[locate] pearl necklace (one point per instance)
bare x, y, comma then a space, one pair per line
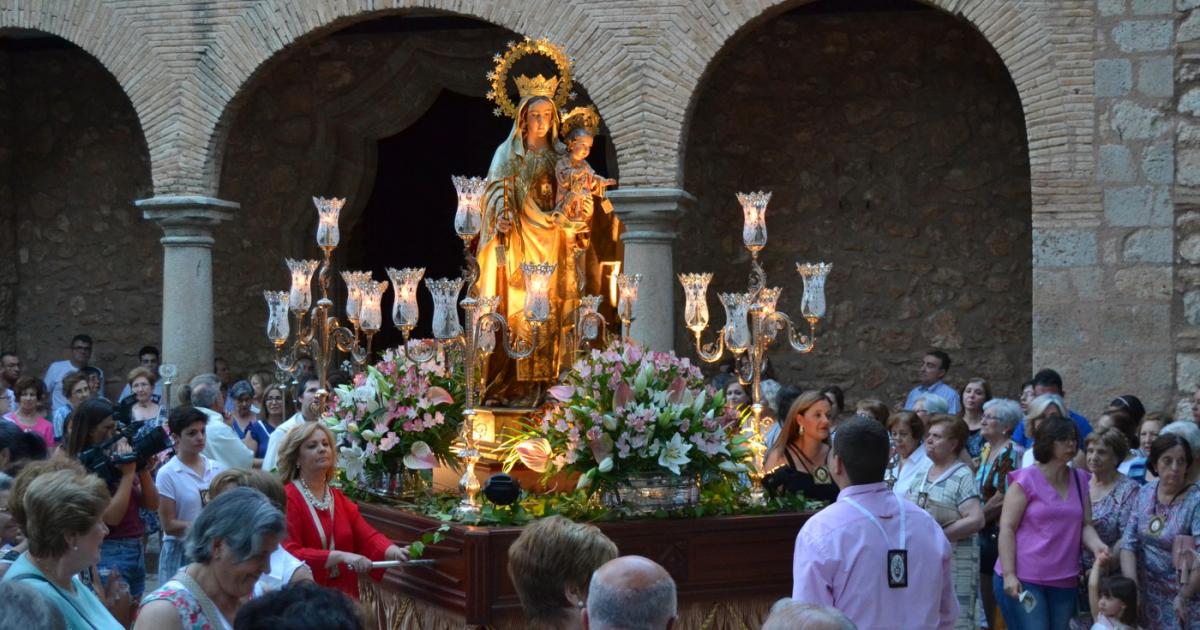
312, 500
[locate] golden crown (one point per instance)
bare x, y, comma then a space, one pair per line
536, 86
580, 118
556, 88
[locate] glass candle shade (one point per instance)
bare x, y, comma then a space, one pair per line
590, 328
445, 307
404, 304
737, 329
470, 194
812, 305
754, 211
355, 281
537, 290
328, 210
695, 290
300, 296
370, 309
768, 298
486, 342
627, 294
277, 316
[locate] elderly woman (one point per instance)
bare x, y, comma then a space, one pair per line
551, 564
62, 514
908, 438
1041, 408
31, 393
927, 405
76, 387
1131, 463
244, 419
274, 408
1112, 495
1000, 456
946, 490
799, 458
974, 394
1148, 430
231, 544
286, 569
325, 529
1045, 520
141, 383
123, 549
1164, 509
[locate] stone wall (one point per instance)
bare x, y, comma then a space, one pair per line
72, 159
895, 148
1186, 195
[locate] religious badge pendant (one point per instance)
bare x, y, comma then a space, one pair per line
1157, 524
821, 475
897, 568
922, 499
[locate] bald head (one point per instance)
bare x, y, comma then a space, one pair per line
630, 593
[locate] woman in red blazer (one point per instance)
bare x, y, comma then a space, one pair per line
325, 529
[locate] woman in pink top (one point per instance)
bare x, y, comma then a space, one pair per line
1044, 519
30, 391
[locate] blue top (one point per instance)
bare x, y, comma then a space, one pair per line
82, 609
260, 433
939, 388
1081, 423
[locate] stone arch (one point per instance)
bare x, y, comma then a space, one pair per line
106, 32
248, 44
1055, 89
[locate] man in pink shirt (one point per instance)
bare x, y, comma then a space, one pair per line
880, 559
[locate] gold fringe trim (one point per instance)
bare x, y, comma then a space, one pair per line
386, 610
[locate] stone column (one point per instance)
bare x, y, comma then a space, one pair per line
187, 317
649, 215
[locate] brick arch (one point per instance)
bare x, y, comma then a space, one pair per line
246, 46
103, 33
1057, 100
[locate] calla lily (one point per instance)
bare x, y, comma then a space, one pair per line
420, 457
585, 480
562, 393
622, 396
602, 447
733, 467
609, 422
674, 454
370, 435
606, 464
352, 461
535, 454
438, 396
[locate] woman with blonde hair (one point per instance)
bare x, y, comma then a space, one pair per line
799, 459
551, 564
325, 529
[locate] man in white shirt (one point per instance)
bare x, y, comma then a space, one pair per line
81, 354
223, 445
307, 392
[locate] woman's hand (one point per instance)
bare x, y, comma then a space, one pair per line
122, 447
396, 553
357, 563
1012, 586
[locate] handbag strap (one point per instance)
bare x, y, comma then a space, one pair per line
1079, 491
207, 606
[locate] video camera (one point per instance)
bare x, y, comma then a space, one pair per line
145, 444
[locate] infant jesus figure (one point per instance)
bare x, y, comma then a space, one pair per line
578, 185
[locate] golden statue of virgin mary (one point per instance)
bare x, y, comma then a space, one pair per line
520, 225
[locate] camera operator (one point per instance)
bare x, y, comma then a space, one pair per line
92, 427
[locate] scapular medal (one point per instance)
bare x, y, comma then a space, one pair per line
897, 568
922, 499
1157, 524
821, 474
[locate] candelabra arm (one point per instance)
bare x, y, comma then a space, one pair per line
799, 342
418, 356
710, 352
347, 341
601, 326
514, 348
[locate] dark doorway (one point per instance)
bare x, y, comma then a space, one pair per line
409, 219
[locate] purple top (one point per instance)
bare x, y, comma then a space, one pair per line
1049, 536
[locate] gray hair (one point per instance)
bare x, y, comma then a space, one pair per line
26, 608
1187, 430
1038, 406
613, 607
933, 403
1008, 412
240, 518
789, 614
205, 390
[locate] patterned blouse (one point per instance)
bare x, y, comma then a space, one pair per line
190, 615
1110, 514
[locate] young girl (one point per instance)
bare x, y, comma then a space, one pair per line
1113, 600
182, 486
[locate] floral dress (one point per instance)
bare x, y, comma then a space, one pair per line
943, 497
1109, 516
191, 617
1157, 582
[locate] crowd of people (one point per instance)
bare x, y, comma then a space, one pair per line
954, 505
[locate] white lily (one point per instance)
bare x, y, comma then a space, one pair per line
352, 460
673, 453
